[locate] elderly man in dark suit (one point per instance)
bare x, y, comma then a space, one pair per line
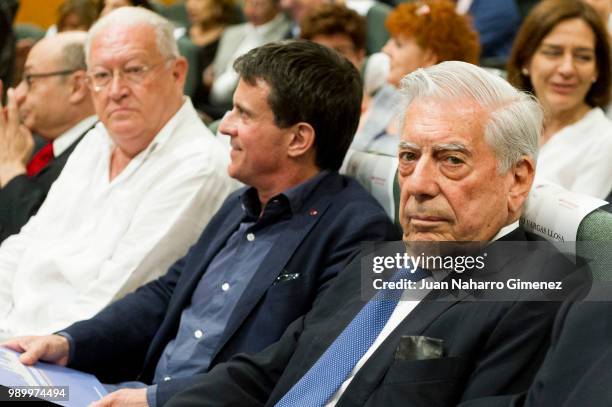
53, 101
268, 253
466, 164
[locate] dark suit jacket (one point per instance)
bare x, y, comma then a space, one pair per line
126, 339
577, 370
491, 348
22, 196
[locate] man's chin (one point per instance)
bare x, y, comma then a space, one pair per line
427, 236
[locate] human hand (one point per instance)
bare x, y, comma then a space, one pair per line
49, 348
16, 142
123, 398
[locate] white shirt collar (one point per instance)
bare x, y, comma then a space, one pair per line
506, 230
64, 141
161, 138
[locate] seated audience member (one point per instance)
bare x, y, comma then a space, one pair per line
269, 252
106, 6
133, 195
74, 15
209, 18
297, 10
562, 55
417, 41
54, 102
265, 23
496, 22
344, 30
339, 28
466, 164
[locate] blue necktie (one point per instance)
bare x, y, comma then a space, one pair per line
333, 367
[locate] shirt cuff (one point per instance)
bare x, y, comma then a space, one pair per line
152, 395
70, 344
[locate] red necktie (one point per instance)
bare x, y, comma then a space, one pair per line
40, 160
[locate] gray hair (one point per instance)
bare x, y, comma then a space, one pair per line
515, 117
137, 16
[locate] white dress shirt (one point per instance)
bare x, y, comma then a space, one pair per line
401, 311
64, 141
579, 156
95, 240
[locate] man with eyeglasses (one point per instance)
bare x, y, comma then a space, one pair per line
135, 193
54, 71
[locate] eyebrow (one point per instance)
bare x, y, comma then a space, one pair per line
243, 109
557, 46
438, 147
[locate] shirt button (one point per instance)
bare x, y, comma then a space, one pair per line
198, 334
225, 286
250, 237
166, 378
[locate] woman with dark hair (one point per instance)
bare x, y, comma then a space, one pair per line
562, 55
423, 33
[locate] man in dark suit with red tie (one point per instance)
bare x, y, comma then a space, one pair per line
52, 101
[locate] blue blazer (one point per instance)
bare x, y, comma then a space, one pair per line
126, 339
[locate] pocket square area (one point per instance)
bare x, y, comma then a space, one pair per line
419, 348
286, 277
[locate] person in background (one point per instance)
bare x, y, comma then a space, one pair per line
339, 28
562, 55
134, 194
264, 23
417, 42
74, 15
106, 6
54, 71
343, 29
208, 18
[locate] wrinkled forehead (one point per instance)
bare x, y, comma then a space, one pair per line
120, 43
429, 122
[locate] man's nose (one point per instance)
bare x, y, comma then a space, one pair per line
118, 87
227, 125
422, 182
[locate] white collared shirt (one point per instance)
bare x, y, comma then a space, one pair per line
402, 310
63, 142
95, 240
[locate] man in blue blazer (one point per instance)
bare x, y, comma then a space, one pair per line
267, 254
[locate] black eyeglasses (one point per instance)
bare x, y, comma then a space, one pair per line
29, 76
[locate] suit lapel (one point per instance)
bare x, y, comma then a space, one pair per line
369, 376
273, 264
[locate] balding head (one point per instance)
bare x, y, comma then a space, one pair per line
55, 71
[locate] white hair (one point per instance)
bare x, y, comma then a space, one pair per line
515, 117
132, 17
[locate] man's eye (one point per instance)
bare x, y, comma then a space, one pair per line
134, 70
453, 160
99, 76
407, 156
